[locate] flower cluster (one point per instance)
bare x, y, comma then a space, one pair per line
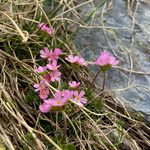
105, 60
50, 73
45, 28
74, 84
78, 60
61, 98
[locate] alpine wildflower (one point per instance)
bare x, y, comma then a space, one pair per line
54, 55
55, 75
105, 60
46, 106
44, 94
53, 66
47, 77
40, 69
45, 28
40, 86
78, 98
73, 84
45, 53
77, 60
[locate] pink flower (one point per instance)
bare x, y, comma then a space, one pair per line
78, 98
55, 75
55, 54
45, 53
81, 61
46, 106
53, 65
44, 94
49, 30
76, 59
72, 59
61, 98
105, 59
41, 24
40, 69
58, 101
74, 84
45, 28
40, 86
67, 94
47, 77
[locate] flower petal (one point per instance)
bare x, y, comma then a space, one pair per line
83, 100
45, 108
82, 93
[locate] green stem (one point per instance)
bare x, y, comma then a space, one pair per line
56, 121
96, 76
65, 126
103, 87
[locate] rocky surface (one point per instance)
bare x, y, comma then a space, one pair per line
124, 31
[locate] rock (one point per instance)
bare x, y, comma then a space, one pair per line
120, 140
117, 39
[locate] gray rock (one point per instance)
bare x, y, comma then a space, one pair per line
91, 41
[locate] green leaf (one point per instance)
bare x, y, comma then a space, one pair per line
71, 147
2, 146
68, 147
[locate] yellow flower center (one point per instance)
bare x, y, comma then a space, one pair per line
41, 86
44, 93
78, 98
58, 102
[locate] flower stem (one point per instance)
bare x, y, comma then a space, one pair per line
96, 76
103, 87
65, 125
